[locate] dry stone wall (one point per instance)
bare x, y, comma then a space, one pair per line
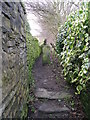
14, 58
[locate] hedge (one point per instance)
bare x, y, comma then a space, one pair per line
33, 52
73, 47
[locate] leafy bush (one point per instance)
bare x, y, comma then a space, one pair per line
85, 99
33, 52
73, 48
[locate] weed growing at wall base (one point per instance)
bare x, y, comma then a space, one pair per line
33, 52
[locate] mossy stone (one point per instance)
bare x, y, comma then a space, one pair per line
46, 55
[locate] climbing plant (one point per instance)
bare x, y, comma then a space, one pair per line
73, 48
33, 52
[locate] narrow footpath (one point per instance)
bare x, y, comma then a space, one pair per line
53, 96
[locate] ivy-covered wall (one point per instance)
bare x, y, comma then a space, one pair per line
14, 58
85, 95
73, 47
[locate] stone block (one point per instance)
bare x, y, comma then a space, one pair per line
4, 47
12, 35
7, 2
44, 93
5, 30
46, 55
12, 23
6, 22
5, 9
11, 43
13, 58
53, 108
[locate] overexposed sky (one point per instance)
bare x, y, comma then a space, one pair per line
35, 27
33, 21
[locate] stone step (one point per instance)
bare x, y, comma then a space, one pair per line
52, 108
44, 93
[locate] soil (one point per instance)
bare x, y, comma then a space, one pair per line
50, 78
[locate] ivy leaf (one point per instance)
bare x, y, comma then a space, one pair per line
79, 88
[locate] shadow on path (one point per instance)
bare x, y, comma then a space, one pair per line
54, 98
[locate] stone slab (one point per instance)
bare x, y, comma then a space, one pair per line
43, 93
53, 108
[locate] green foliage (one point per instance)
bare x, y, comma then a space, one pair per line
73, 48
85, 99
89, 18
33, 52
24, 111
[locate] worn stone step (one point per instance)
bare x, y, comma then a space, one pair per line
44, 93
52, 108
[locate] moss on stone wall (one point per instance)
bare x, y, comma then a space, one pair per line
14, 59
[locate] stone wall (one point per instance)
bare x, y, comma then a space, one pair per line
14, 58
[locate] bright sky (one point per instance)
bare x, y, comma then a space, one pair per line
35, 28
32, 19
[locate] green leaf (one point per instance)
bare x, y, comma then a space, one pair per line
79, 87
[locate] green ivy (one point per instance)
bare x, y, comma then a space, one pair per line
33, 52
73, 48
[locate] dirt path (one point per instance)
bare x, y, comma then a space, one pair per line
53, 97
